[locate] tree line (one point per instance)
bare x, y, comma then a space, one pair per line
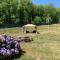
24, 11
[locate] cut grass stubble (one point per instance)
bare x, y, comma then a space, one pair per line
45, 46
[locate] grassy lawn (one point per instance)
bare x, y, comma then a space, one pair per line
45, 46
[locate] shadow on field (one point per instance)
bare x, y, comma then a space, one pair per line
9, 25
13, 57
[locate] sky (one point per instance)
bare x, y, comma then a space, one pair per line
56, 3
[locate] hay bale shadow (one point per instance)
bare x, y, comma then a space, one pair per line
26, 39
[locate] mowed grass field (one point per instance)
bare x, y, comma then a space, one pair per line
45, 46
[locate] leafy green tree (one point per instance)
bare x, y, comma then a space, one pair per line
25, 11
37, 20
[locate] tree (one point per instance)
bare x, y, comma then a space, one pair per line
25, 11
51, 11
37, 20
9, 9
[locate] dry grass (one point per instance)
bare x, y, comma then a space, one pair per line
45, 46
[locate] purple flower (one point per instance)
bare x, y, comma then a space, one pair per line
5, 53
9, 46
17, 45
16, 51
2, 50
9, 52
13, 51
8, 38
9, 42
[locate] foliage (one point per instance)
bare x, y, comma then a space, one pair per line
24, 11
8, 46
37, 20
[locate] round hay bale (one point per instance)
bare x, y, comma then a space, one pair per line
30, 28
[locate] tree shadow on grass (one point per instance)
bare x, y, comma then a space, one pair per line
9, 25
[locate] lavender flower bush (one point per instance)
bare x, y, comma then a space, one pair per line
9, 46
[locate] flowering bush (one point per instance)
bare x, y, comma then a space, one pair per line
9, 46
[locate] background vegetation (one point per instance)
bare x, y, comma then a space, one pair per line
20, 12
